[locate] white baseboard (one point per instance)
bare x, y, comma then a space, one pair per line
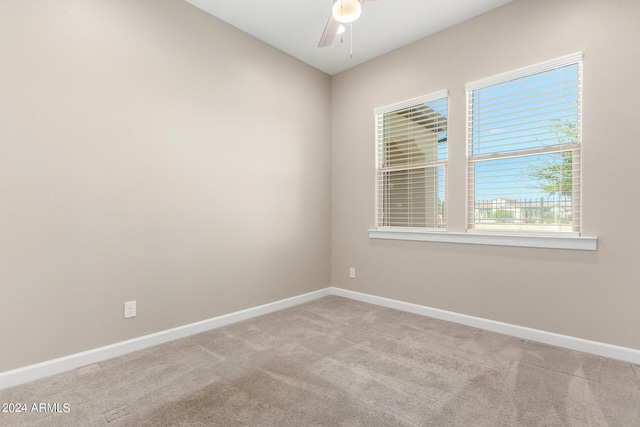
73, 361
626, 354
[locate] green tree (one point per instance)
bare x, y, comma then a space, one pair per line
554, 176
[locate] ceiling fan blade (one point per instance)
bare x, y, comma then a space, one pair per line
330, 31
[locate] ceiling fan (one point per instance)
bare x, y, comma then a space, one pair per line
342, 12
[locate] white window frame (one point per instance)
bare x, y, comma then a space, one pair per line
379, 115
471, 88
572, 241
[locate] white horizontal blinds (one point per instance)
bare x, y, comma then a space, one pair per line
524, 144
411, 160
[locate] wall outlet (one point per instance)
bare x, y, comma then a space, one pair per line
352, 272
129, 309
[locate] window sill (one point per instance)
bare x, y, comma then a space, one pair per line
572, 241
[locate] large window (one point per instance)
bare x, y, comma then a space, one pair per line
411, 139
524, 145
523, 161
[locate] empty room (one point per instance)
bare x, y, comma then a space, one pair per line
319, 212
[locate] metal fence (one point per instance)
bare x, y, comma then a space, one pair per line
541, 210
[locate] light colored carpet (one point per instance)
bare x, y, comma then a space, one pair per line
338, 362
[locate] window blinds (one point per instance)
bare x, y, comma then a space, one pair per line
411, 140
524, 149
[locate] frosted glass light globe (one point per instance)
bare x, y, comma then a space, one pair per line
345, 11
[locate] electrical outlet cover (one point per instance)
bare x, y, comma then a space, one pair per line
129, 309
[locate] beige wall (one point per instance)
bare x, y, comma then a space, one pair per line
591, 295
150, 152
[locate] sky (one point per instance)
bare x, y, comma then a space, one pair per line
520, 115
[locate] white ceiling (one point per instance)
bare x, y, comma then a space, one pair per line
295, 26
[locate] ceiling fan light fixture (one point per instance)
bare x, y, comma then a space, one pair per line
345, 11
341, 29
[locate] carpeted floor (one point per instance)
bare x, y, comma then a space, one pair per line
338, 362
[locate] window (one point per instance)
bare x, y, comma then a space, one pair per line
411, 140
523, 163
524, 142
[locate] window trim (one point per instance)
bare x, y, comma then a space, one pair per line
411, 102
474, 237
525, 71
